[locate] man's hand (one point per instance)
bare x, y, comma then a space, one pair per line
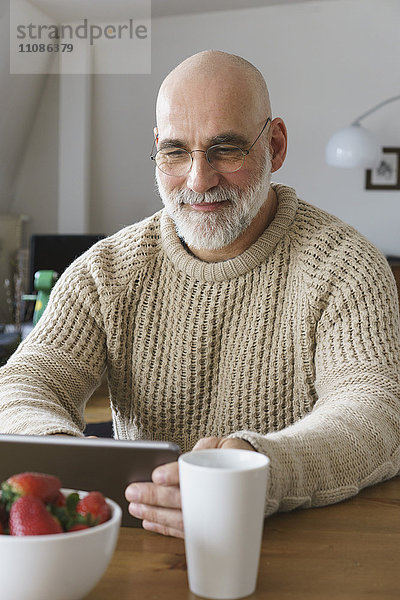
158, 502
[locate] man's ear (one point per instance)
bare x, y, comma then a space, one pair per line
277, 143
155, 131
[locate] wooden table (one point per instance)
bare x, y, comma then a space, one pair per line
98, 407
347, 551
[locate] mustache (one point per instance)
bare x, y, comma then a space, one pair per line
209, 197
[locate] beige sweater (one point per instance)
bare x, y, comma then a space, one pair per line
294, 346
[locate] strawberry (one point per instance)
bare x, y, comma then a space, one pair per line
45, 487
94, 508
29, 516
59, 500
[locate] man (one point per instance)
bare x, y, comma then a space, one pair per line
239, 316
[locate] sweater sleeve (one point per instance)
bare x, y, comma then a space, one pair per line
351, 438
45, 384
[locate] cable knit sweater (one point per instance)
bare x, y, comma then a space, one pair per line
294, 346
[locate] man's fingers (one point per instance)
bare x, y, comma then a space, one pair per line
154, 495
166, 474
208, 442
158, 502
235, 443
160, 518
157, 528
217, 442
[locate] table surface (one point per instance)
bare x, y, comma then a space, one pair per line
98, 407
347, 551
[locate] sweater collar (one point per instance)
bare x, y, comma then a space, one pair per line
241, 264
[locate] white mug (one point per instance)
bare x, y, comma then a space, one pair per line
223, 497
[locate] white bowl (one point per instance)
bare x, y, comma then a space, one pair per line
64, 566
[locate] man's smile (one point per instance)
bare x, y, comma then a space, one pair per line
208, 206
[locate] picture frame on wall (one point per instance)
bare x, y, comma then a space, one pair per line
386, 176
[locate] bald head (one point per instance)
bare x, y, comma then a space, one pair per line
230, 77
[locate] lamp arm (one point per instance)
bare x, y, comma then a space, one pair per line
357, 121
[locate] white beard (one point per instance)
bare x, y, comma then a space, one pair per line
213, 230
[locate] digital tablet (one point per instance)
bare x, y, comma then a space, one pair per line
101, 464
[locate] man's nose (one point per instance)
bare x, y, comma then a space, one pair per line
201, 176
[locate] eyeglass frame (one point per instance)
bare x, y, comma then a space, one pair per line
245, 153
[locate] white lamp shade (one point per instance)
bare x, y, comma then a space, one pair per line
352, 147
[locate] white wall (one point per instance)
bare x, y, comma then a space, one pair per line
19, 100
325, 64
36, 187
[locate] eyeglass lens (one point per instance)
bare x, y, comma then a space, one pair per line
224, 158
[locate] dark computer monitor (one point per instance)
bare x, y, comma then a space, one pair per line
57, 251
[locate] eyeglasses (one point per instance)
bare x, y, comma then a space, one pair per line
224, 158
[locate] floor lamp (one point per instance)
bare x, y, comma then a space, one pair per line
355, 146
